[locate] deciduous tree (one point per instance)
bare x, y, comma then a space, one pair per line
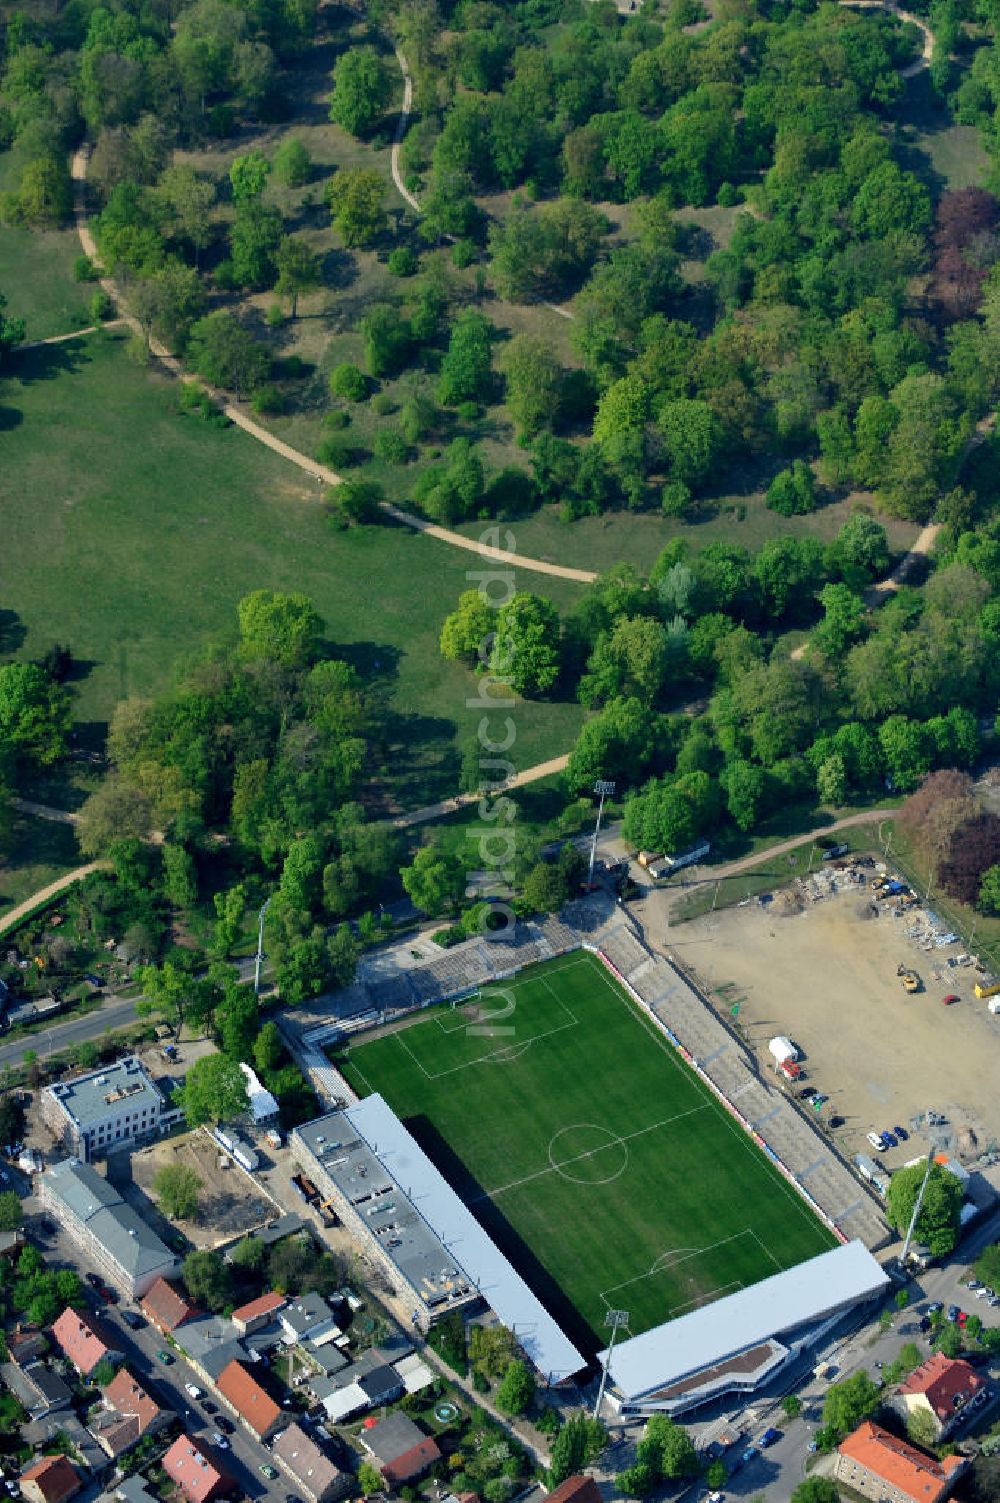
177, 1186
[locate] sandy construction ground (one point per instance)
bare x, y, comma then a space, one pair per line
827, 978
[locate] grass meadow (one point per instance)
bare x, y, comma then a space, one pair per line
602, 1165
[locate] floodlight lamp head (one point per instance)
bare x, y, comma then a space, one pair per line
604, 786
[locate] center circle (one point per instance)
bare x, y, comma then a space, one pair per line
588, 1154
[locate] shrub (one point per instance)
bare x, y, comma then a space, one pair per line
225, 276
335, 453
463, 253
468, 411
674, 498
269, 401
275, 316
403, 261
390, 447
100, 306
727, 195
84, 269
355, 501
383, 404
293, 367
337, 419
793, 491
348, 382
292, 163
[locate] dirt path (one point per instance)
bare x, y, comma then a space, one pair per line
401, 126
746, 863
463, 800
39, 344
46, 811
514, 560
14, 916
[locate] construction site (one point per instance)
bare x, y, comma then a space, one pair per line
889, 1014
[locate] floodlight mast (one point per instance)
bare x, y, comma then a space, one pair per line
259, 957
917, 1204
605, 789
615, 1319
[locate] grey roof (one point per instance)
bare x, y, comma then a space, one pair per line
799, 1296
305, 1314
218, 1358
330, 1358
206, 1334
285, 1226
392, 1437
49, 1384
89, 1198
381, 1385
368, 1362
437, 1243
132, 1489
100, 1094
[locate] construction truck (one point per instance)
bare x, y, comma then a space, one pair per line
910, 979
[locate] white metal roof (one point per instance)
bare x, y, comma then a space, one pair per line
797, 1297
467, 1244
263, 1105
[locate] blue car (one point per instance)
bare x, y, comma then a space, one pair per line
952, 1312
769, 1437
889, 1139
748, 1455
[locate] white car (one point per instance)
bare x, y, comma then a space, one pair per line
193, 1390
220, 1440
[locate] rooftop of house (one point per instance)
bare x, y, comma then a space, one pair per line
247, 1397
305, 1313
578, 1489
127, 1395
166, 1306
87, 1197
191, 1466
945, 1382
106, 1092
392, 1437
54, 1476
921, 1477
81, 1339
305, 1460
266, 1304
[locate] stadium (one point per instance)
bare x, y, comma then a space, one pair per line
566, 1156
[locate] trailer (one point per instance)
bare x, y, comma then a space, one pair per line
782, 1048
246, 1158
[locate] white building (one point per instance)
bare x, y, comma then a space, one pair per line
106, 1109
263, 1106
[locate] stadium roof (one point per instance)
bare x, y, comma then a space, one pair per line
797, 1297
450, 1234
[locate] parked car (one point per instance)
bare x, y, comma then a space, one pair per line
951, 997
901, 1133
973, 1284
748, 1455
925, 1322
769, 1437
93, 1280
48, 1227
225, 1424
108, 1295
962, 1317
208, 1406
889, 1139
193, 1390
835, 1120
220, 1441
835, 852
268, 1471
953, 1312
993, 1301
165, 1357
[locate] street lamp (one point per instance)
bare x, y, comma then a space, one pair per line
605, 789
259, 957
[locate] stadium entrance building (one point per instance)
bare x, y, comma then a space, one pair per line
738, 1343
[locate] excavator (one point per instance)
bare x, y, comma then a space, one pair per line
909, 978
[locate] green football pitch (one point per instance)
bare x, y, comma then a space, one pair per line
598, 1160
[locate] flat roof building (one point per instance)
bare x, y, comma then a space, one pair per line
106, 1109
390, 1195
737, 1343
126, 1250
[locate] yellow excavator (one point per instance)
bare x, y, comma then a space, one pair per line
910, 979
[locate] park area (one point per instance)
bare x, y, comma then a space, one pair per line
600, 1162
823, 974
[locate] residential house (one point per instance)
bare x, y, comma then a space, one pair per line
52, 1479
25, 1343
245, 1397
359, 1386
113, 1235
134, 1489
307, 1319
888, 1470
193, 1468
84, 1341
313, 1474
12, 1245
62, 1428
130, 1413
942, 1388
399, 1448
259, 1312
36, 1387
578, 1489
165, 1307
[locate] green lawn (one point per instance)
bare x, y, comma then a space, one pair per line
36, 852
131, 532
600, 1162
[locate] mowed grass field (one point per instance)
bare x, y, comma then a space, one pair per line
603, 1166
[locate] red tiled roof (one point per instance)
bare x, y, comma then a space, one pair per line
81, 1339
247, 1398
412, 1462
166, 1306
55, 1477
267, 1304
128, 1396
914, 1473
941, 1380
197, 1476
578, 1489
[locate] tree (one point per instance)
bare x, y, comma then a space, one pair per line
975, 848
298, 270
103, 1373
11, 1120
745, 784
237, 1018
177, 1186
540, 251
356, 501
816, 1490
526, 646
370, 1478
716, 1475
492, 1349
516, 1393
180, 880
638, 1480
465, 370
173, 993
388, 340
230, 906
922, 1428
225, 354
279, 627
848, 1403
792, 1405
11, 1210
35, 714
989, 891
248, 175
355, 196
580, 1440
905, 748
435, 881
792, 492
692, 438
214, 1090
467, 631
11, 330
254, 239
533, 375
45, 195
937, 1224
206, 1276
362, 90
292, 163
190, 198
268, 1049
668, 1447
